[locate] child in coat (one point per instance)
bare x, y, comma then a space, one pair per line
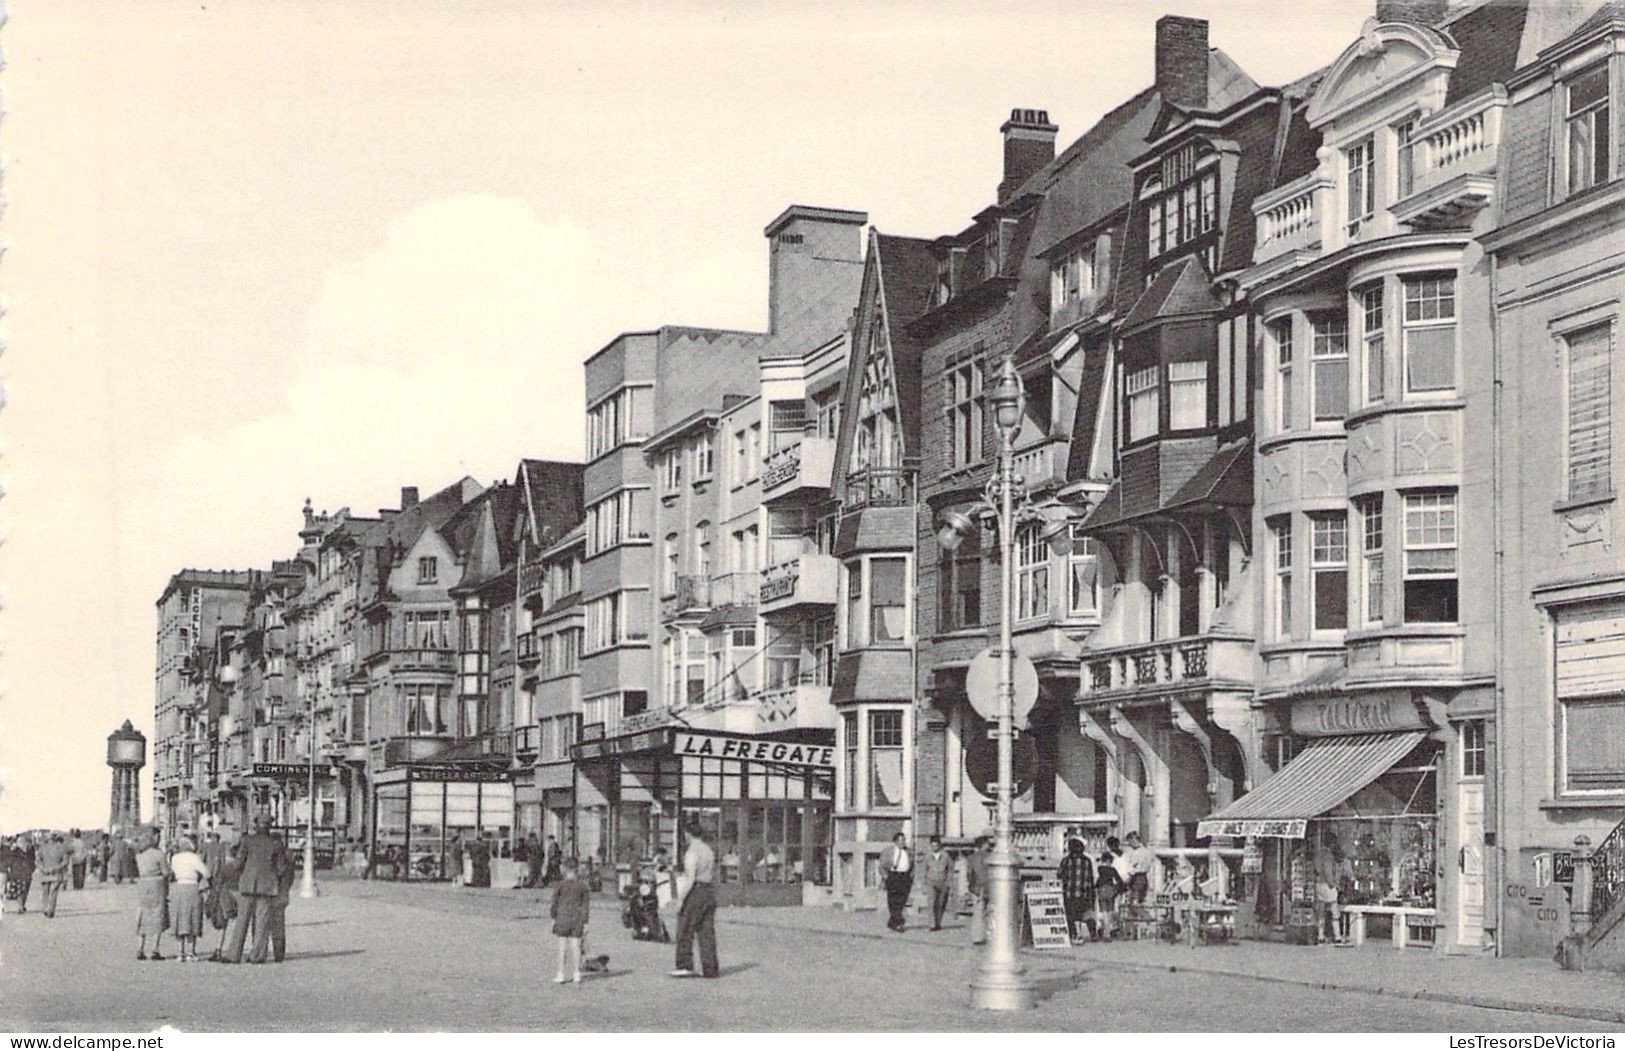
571, 902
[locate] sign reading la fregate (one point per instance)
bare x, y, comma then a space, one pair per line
721, 746
1364, 714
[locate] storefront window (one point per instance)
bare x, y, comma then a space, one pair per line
849, 772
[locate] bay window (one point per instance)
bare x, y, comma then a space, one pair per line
1032, 572
1329, 365
603, 623
1590, 411
1370, 512
1140, 388
1281, 531
624, 416
888, 600
1430, 558
1280, 337
1083, 565
1429, 329
1371, 333
1187, 395
1188, 207
1586, 127
1329, 570
885, 759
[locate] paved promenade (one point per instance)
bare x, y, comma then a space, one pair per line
370, 956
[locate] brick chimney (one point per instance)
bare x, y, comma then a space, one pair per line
1182, 61
409, 497
1029, 144
1426, 12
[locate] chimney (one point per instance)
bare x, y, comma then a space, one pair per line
1029, 144
1182, 61
1425, 12
409, 497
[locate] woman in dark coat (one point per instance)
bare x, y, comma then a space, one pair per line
20, 873
480, 852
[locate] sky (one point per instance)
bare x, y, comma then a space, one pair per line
262, 251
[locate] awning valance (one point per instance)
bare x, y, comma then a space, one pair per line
1327, 772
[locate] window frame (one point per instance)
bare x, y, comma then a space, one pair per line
963, 383
1373, 340
1084, 553
959, 579
1032, 573
1328, 561
1596, 114
1420, 324
1280, 527
1598, 461
1183, 374
1278, 332
1141, 390
1359, 159
1372, 594
1328, 350
873, 715
1421, 503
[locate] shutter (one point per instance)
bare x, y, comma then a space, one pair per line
1591, 650
1590, 411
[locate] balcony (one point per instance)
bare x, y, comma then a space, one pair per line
880, 487
1294, 219
527, 740
735, 589
691, 595
1455, 164
799, 472
525, 648
649, 719
807, 580
423, 660
531, 579
1042, 465
1166, 666
801, 706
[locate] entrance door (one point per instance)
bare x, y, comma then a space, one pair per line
1470, 895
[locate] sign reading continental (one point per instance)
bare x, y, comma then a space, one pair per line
723, 746
287, 770
1363, 714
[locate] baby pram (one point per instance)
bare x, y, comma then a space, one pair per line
641, 913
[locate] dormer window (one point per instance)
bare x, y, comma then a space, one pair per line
1140, 389
1586, 125
1180, 211
943, 290
1072, 278
1362, 162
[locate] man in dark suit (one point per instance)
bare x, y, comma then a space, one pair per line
897, 866
261, 860
279, 909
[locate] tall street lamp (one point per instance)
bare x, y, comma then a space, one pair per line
1001, 983
307, 883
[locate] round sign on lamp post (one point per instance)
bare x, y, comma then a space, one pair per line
982, 686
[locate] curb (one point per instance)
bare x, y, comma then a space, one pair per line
1492, 1003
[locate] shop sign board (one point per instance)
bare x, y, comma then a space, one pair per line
1543, 870
455, 774
287, 770
1046, 915
727, 746
1275, 828
1563, 866
1363, 713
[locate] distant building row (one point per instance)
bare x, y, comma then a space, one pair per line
1323, 455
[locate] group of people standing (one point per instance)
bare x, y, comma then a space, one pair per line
61, 860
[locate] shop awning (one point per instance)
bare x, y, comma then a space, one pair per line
1327, 772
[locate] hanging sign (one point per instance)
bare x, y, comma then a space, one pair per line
1563, 866
1046, 916
1375, 712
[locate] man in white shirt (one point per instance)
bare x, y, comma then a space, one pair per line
897, 866
698, 913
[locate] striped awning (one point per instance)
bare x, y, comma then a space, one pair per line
1327, 772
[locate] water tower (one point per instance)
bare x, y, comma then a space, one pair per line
126, 754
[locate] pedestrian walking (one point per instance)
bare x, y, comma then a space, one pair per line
897, 866
20, 876
571, 905
696, 917
98, 858
1077, 875
457, 860
260, 861
939, 878
480, 853
52, 863
976, 871
152, 884
1108, 886
78, 858
186, 898
127, 852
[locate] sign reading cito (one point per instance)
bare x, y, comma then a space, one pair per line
1363, 714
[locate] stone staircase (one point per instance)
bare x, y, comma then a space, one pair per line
1603, 945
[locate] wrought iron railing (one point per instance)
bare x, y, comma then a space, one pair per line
880, 487
1608, 872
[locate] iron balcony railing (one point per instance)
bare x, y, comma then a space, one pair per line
1608, 872
880, 487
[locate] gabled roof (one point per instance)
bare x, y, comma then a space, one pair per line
481, 534
554, 501
1227, 84
1181, 288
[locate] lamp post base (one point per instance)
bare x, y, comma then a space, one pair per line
1003, 992
308, 889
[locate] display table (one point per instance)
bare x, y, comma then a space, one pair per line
1404, 916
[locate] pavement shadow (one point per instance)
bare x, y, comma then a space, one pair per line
737, 968
1062, 983
324, 955
314, 923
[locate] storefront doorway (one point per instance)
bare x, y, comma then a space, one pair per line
420, 811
